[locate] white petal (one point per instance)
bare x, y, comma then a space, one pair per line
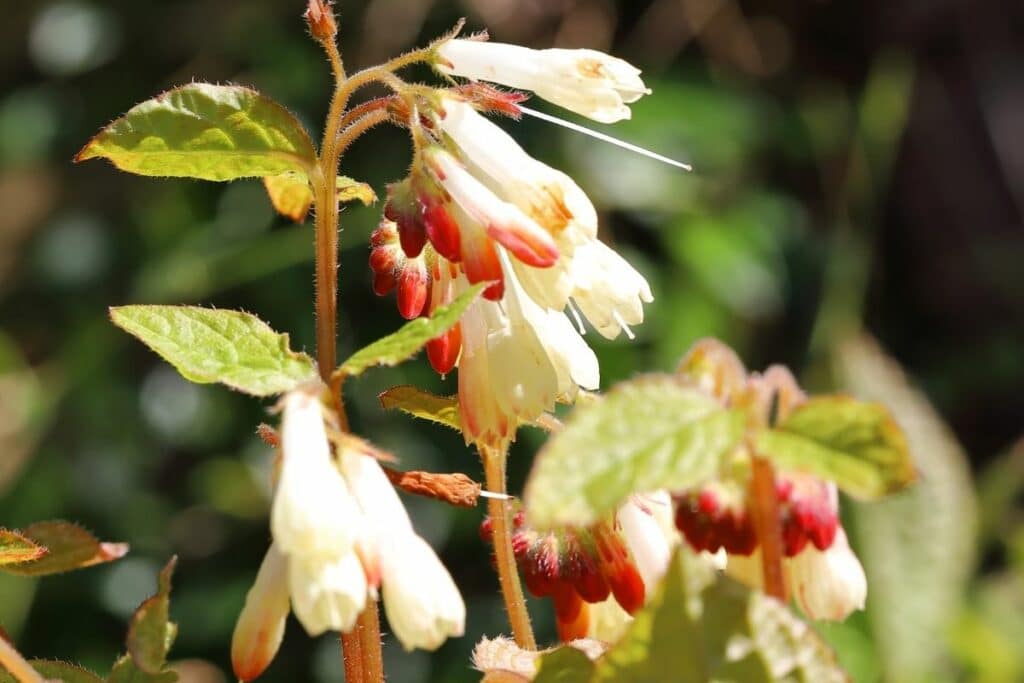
607, 289
830, 584
421, 601
327, 596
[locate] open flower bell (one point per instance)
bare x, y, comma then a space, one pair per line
340, 532
477, 208
587, 82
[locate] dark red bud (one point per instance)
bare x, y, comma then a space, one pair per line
443, 352
495, 291
412, 235
412, 291
628, 587
442, 230
384, 282
487, 530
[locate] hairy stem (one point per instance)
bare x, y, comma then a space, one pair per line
765, 508
508, 574
361, 649
15, 664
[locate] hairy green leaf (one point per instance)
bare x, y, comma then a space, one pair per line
211, 132
151, 633
710, 628
68, 546
410, 338
414, 401
649, 433
564, 665
126, 671
54, 670
210, 345
857, 445
15, 548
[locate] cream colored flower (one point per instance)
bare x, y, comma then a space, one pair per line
260, 626
587, 82
828, 584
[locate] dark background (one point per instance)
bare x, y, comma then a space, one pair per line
859, 167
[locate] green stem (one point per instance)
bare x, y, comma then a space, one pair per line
508, 574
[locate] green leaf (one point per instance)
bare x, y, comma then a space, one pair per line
703, 627
290, 194
53, 670
151, 633
210, 345
650, 433
855, 444
211, 132
15, 548
414, 401
68, 546
933, 525
126, 671
564, 665
410, 338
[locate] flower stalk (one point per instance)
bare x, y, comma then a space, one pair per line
15, 664
508, 574
765, 509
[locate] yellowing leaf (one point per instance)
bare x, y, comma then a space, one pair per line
857, 445
290, 194
210, 345
414, 401
350, 190
211, 132
650, 433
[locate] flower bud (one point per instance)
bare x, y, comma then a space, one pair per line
320, 20
260, 626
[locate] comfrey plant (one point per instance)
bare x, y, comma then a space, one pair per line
670, 519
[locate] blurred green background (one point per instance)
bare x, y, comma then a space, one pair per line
855, 212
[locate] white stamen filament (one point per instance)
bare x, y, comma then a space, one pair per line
604, 138
623, 325
576, 317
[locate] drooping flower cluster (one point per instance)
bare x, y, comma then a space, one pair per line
340, 532
599, 575
477, 208
820, 569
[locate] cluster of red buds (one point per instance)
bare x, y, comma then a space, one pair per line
712, 520
419, 285
574, 567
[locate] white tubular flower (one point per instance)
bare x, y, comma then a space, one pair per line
260, 626
830, 584
420, 599
609, 292
313, 514
422, 603
517, 359
327, 595
587, 82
